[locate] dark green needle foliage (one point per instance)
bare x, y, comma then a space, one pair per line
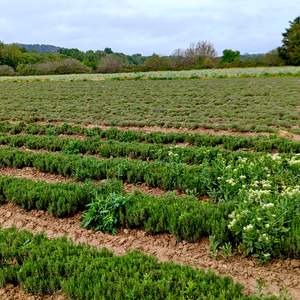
81, 272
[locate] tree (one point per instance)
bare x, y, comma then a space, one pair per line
109, 64
195, 55
156, 62
108, 50
290, 50
272, 58
230, 56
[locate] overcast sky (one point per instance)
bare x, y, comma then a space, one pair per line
148, 26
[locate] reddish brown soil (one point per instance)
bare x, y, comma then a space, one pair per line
34, 174
11, 292
277, 273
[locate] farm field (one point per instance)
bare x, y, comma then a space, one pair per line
214, 73
213, 201
241, 104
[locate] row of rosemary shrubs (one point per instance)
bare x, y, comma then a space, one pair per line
198, 179
184, 217
221, 179
47, 266
111, 148
257, 143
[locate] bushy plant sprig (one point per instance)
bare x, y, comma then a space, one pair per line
72, 148
102, 213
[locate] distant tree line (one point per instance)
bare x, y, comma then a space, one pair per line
39, 48
20, 60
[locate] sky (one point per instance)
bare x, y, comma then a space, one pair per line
148, 26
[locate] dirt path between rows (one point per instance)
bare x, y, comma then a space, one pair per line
149, 129
278, 273
11, 292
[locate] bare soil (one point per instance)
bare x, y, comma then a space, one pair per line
11, 292
277, 273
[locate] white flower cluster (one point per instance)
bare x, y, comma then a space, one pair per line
265, 184
291, 192
232, 215
170, 153
294, 160
242, 177
242, 160
248, 227
236, 217
263, 237
266, 206
232, 223
255, 183
231, 181
256, 194
275, 157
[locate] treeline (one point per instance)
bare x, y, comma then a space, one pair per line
39, 48
16, 60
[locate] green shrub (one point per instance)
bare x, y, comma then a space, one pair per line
81, 272
101, 213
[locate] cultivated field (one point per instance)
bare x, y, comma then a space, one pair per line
244, 104
226, 202
214, 73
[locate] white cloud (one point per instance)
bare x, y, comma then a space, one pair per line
135, 26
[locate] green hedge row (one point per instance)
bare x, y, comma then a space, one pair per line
256, 143
81, 272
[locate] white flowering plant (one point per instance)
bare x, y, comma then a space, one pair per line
265, 190
262, 222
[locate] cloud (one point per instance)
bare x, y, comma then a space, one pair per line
134, 26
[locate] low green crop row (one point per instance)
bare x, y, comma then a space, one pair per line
81, 272
186, 218
94, 145
198, 179
263, 188
156, 174
257, 143
58, 199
